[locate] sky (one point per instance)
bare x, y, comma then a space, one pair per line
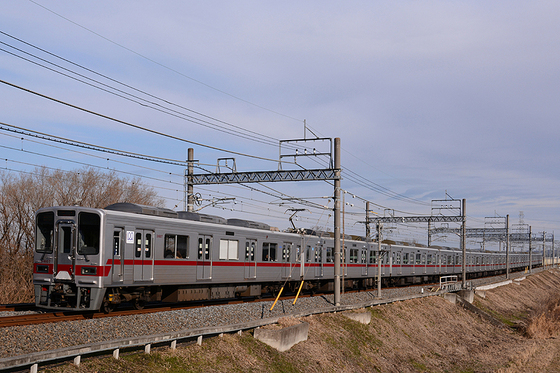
431, 100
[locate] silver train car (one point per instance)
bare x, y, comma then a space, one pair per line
92, 259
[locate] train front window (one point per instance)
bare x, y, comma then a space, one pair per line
89, 228
45, 232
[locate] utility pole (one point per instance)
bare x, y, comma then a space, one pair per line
530, 251
429, 233
507, 246
368, 231
544, 248
337, 222
553, 252
464, 244
379, 229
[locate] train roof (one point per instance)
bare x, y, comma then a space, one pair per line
185, 215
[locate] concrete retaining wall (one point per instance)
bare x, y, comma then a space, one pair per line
361, 317
283, 339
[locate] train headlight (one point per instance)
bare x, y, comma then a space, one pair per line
92, 271
42, 269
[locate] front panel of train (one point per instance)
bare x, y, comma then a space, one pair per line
67, 268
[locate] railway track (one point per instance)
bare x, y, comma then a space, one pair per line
53, 317
60, 316
17, 307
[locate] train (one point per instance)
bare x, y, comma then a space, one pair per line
90, 259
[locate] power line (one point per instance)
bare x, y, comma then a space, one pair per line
143, 102
164, 66
363, 182
36, 134
134, 125
99, 148
128, 86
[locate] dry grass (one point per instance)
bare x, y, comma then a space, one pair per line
544, 322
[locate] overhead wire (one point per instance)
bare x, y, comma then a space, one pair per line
364, 182
131, 87
120, 171
129, 124
164, 66
145, 103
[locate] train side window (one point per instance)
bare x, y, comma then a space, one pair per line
372, 257
182, 247
229, 249
423, 258
429, 260
398, 258
353, 255
308, 254
176, 246
200, 247
269, 252
138, 251
418, 256
330, 257
169, 246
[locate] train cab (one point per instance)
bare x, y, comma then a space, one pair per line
67, 267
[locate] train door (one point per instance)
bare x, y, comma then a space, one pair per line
318, 260
204, 258
118, 255
363, 261
64, 265
345, 261
397, 265
143, 255
383, 259
250, 261
300, 260
286, 260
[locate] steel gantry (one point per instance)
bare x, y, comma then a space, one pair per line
331, 173
442, 205
505, 235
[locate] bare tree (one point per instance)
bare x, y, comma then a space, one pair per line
21, 196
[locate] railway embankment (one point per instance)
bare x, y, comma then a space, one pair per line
418, 335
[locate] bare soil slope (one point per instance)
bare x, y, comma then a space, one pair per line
425, 335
